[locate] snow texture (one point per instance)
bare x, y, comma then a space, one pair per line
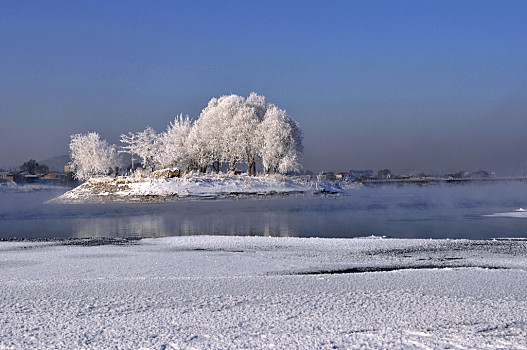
152, 189
203, 292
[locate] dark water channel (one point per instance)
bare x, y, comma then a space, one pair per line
436, 211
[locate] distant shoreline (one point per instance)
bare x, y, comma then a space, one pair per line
434, 180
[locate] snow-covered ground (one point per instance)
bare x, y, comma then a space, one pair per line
147, 189
210, 292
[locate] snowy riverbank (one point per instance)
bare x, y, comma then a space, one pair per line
152, 189
258, 292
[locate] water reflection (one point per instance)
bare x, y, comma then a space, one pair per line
156, 225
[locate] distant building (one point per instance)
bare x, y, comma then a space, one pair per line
344, 176
68, 168
330, 176
25, 177
54, 175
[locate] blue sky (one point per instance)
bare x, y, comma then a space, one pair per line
405, 85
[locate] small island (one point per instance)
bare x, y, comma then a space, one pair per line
195, 158
152, 189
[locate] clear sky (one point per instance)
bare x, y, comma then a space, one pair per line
417, 85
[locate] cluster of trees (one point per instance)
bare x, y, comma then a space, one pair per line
32, 167
231, 130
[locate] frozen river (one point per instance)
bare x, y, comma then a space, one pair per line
439, 211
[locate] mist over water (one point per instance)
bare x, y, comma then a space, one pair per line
436, 211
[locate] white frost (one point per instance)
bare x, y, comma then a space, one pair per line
253, 292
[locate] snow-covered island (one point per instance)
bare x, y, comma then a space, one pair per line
107, 189
206, 152
219, 292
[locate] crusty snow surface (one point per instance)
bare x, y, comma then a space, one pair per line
145, 189
210, 292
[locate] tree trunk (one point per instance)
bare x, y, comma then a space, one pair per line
233, 164
251, 163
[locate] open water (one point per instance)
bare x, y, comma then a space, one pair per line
474, 211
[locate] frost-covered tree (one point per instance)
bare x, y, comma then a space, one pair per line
198, 149
230, 108
172, 150
258, 103
130, 146
211, 138
147, 142
230, 130
204, 140
92, 156
282, 141
245, 136
248, 138
226, 131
